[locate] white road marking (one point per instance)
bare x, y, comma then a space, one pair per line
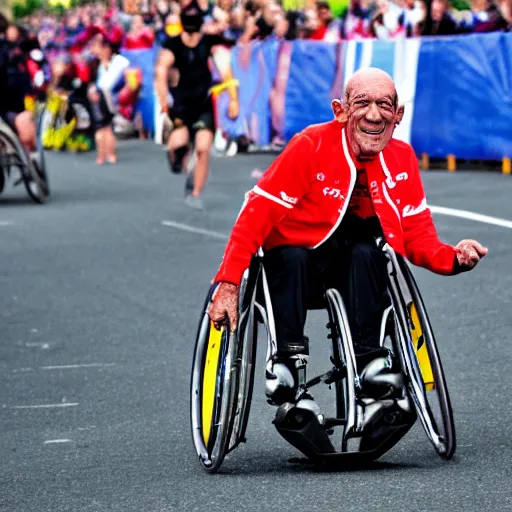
23, 370
477, 217
44, 346
64, 367
90, 427
57, 441
5, 222
71, 366
42, 406
193, 229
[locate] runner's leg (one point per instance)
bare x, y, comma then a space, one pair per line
110, 144
203, 144
178, 147
99, 137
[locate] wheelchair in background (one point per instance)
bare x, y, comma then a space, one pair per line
30, 167
223, 369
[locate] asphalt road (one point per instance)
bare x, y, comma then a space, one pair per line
99, 305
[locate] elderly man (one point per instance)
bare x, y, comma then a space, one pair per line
317, 211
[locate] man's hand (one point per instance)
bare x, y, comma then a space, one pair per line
469, 253
225, 304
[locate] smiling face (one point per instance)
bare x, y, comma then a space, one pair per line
371, 112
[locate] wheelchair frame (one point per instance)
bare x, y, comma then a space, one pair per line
223, 376
32, 173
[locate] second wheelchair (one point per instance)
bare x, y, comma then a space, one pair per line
223, 378
30, 167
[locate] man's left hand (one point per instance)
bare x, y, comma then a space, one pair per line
469, 253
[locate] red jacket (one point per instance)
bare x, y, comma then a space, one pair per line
143, 40
303, 196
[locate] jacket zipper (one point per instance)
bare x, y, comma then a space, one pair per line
353, 174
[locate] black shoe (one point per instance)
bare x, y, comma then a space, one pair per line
382, 377
365, 354
291, 348
176, 166
281, 380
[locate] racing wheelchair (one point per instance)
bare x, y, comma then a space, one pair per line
223, 378
31, 167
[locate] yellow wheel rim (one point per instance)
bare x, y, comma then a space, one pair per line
209, 386
420, 347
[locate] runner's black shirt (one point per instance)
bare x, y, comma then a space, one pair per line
192, 63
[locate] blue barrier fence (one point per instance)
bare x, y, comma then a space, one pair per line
145, 61
457, 90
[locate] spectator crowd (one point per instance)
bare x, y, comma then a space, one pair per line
140, 25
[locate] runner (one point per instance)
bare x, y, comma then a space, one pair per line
192, 112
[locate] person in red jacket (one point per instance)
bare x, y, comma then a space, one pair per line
316, 213
140, 36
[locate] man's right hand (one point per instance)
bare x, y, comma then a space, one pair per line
224, 305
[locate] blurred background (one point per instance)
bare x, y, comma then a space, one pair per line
101, 287
450, 60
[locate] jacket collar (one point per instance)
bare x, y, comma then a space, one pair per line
349, 154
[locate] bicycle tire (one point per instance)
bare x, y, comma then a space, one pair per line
448, 431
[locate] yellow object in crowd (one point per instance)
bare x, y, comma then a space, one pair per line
173, 29
133, 78
217, 89
55, 138
30, 103
420, 347
60, 3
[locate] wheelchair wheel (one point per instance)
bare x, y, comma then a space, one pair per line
34, 183
221, 387
34, 180
421, 363
213, 394
40, 159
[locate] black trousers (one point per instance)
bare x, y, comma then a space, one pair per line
298, 277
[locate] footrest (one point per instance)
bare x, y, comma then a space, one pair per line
301, 428
330, 377
334, 422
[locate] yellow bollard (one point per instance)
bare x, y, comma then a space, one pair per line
425, 162
452, 163
505, 165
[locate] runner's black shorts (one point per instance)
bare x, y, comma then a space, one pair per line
195, 114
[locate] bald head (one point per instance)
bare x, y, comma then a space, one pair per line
370, 111
369, 77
